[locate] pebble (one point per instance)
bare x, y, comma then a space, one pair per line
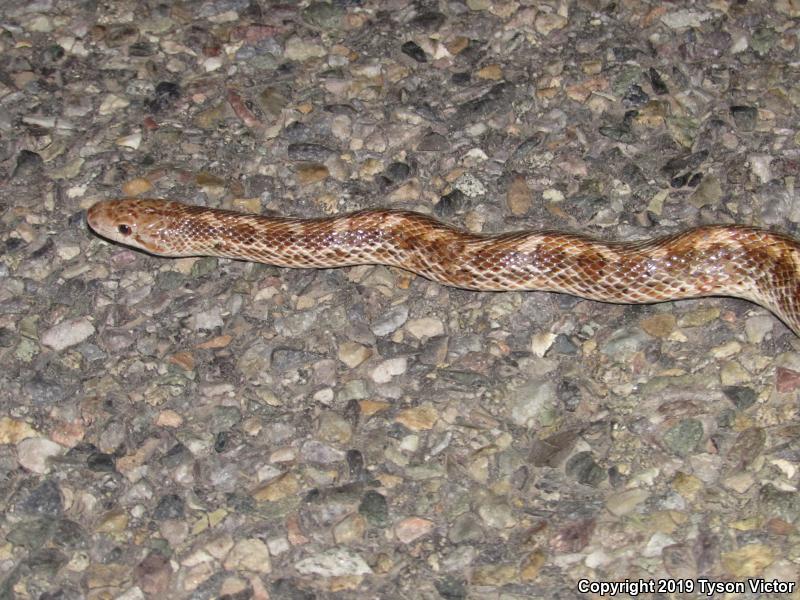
309, 152
350, 530
299, 49
389, 368
742, 397
207, 320
374, 508
397, 172
660, 325
334, 429
684, 437
699, 318
739, 482
622, 344
541, 343
495, 575
411, 529
733, 373
496, 513
68, 333
27, 164
425, 327
760, 167
391, 320
13, 431
584, 469
683, 18
745, 117
531, 404
414, 51
758, 327
132, 141
467, 527
708, 193
622, 503
470, 186
249, 555
34, 453
433, 142
112, 103
310, 174
546, 23
136, 187
277, 489
153, 573
420, 418
747, 561
317, 452
493, 72
519, 197
353, 354
336, 562
784, 504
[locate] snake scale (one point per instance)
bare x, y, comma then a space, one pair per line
722, 260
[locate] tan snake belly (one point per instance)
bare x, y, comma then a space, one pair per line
743, 262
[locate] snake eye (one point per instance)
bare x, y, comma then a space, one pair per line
124, 229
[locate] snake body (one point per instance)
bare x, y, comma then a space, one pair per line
744, 262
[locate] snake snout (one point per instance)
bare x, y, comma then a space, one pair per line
110, 223
119, 221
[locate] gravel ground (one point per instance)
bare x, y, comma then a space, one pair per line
203, 428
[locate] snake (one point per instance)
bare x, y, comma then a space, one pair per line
750, 263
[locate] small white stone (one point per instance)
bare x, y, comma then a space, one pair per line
740, 44
212, 63
426, 327
34, 453
684, 18
134, 593
624, 502
391, 320
286, 454
324, 396
68, 333
336, 562
547, 22
225, 17
470, 186
739, 482
410, 443
249, 555
541, 342
112, 103
77, 191
759, 165
353, 354
384, 372
726, 350
786, 467
173, 47
656, 545
298, 49
133, 141
278, 545
39, 23
208, 319
553, 195
476, 155
68, 252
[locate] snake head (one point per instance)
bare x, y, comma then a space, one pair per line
149, 225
